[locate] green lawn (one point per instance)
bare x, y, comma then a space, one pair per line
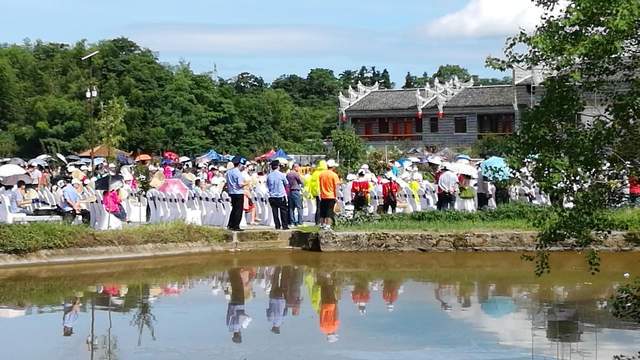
512, 217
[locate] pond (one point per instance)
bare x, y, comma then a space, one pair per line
296, 305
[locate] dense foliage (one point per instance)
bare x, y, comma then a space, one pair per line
163, 107
583, 134
43, 106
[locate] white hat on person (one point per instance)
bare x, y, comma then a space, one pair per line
332, 163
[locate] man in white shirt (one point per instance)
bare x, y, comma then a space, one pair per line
448, 185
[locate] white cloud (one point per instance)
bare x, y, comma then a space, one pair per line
235, 40
486, 18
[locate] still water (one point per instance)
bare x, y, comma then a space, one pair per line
293, 305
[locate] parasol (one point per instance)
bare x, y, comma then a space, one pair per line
143, 157
11, 169
13, 179
174, 186
109, 182
496, 169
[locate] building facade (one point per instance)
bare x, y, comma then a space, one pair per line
424, 117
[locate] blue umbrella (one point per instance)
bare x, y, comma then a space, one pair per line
496, 169
498, 306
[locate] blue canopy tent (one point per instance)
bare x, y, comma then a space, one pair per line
212, 155
280, 154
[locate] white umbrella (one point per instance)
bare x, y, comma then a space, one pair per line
37, 161
465, 169
61, 157
43, 157
11, 169
183, 159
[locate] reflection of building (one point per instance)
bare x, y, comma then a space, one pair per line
563, 324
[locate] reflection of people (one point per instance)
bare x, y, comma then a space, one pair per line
277, 309
438, 294
361, 296
329, 321
237, 319
390, 290
70, 316
294, 276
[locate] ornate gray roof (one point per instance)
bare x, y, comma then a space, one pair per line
499, 95
387, 100
476, 96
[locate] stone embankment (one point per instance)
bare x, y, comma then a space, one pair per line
439, 242
324, 241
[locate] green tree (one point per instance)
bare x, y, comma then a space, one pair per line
447, 72
580, 154
385, 80
110, 124
409, 81
348, 147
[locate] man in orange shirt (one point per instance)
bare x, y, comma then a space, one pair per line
328, 181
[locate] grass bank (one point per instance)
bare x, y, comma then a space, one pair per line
511, 217
23, 239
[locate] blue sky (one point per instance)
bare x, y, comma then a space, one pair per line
275, 37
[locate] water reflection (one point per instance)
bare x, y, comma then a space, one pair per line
420, 317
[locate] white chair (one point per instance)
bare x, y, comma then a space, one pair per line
6, 216
103, 219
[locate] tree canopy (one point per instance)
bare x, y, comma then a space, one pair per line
582, 137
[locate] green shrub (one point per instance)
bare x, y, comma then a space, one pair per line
23, 239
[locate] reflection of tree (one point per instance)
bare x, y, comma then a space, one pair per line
143, 316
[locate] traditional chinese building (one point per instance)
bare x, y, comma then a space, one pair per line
445, 115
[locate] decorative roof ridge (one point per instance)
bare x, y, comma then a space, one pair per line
354, 97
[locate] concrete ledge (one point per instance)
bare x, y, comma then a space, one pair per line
115, 253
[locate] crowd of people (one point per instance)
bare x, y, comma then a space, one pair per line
47, 184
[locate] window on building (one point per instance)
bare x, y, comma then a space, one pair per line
383, 126
396, 128
433, 124
368, 128
419, 125
495, 123
460, 124
408, 127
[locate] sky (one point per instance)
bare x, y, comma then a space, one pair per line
275, 37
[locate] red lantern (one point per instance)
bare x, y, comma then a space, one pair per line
343, 118
440, 115
419, 114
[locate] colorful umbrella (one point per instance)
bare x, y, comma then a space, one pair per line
496, 169
174, 186
143, 157
169, 155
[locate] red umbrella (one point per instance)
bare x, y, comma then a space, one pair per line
174, 186
171, 156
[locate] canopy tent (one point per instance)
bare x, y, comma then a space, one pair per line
212, 155
102, 151
266, 156
280, 154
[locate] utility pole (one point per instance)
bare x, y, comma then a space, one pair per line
91, 94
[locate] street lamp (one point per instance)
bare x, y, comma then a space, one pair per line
91, 94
